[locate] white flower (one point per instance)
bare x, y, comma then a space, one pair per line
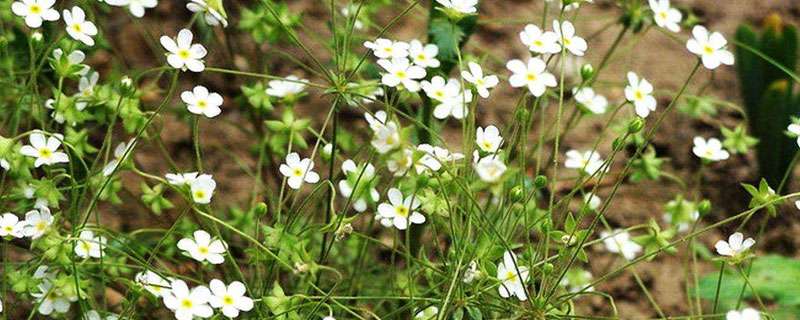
423, 56
180, 179
201, 101
440, 90
213, 16
565, 35
77, 26
203, 248
709, 150
590, 101
736, 245
298, 171
10, 226
490, 168
37, 222
386, 138
1, 305
745, 314
400, 162
89, 246
154, 283
188, 304
388, 49
472, 272
400, 71
665, 16
51, 300
455, 106
357, 24
376, 121
429, 313
538, 41
588, 162
86, 86
640, 93
401, 212
794, 129
364, 178
592, 201
462, 6
290, 87
202, 188
119, 155
619, 241
489, 139
433, 157
34, 11
710, 48
136, 7
482, 83
182, 53
231, 298
94, 315
513, 277
45, 150
533, 75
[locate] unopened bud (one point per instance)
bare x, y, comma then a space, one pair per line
635, 125
587, 72
540, 181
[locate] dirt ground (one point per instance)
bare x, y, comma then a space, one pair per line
657, 57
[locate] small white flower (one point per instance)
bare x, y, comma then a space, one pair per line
376, 121
298, 171
490, 168
592, 201
711, 48
188, 304
565, 35
386, 138
388, 49
231, 299
472, 272
588, 162
51, 300
10, 226
182, 53
532, 75
482, 83
400, 162
513, 277
35, 11
736, 245
202, 102
202, 188
665, 16
290, 87
119, 156
640, 93
619, 241
154, 283
538, 41
432, 158
37, 222
423, 56
456, 106
213, 16
77, 26
89, 246
45, 150
489, 139
440, 90
745, 314
365, 177
399, 211
202, 248
136, 7
400, 71
462, 6
180, 179
709, 150
86, 86
590, 101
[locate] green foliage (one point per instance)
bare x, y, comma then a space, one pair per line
264, 26
773, 277
767, 91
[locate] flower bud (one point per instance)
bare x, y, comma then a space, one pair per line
540, 181
37, 36
635, 125
587, 72
261, 209
704, 207
548, 268
517, 194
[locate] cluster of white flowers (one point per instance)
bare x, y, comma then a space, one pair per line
619, 241
201, 186
201, 301
588, 162
35, 224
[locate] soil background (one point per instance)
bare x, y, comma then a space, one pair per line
662, 60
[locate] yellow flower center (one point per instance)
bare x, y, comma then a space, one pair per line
76, 27
531, 76
183, 54
538, 43
186, 303
401, 211
35, 9
203, 249
487, 145
638, 95
511, 276
227, 299
662, 14
297, 172
40, 226
708, 49
202, 104
401, 74
8, 229
85, 245
199, 194
45, 153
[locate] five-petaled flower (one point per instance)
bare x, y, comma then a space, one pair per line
202, 102
89, 246
400, 212
45, 150
231, 299
710, 149
203, 248
35, 11
666, 16
640, 92
186, 303
710, 47
735, 246
182, 54
298, 171
532, 75
513, 277
78, 27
